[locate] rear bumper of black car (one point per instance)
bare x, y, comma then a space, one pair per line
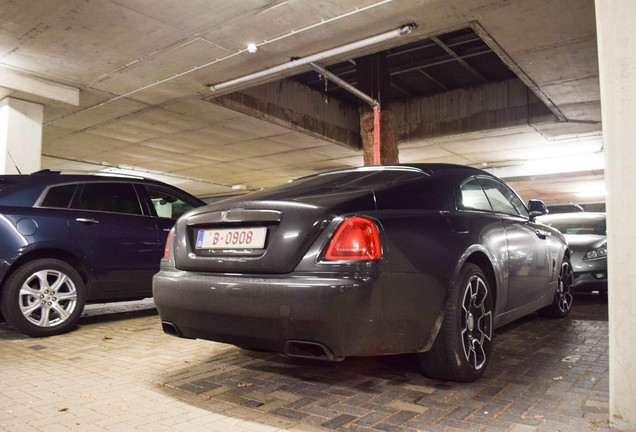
318, 316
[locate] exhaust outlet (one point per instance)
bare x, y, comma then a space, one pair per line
309, 350
170, 329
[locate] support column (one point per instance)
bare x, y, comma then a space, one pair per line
20, 136
388, 137
617, 65
373, 80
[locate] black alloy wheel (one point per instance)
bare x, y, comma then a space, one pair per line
564, 295
43, 297
463, 345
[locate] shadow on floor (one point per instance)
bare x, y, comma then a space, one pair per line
545, 374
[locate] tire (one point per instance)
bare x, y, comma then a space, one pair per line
564, 295
461, 351
44, 297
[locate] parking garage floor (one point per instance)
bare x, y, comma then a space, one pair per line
118, 372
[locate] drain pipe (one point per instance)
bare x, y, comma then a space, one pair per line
400, 32
376, 135
345, 85
368, 99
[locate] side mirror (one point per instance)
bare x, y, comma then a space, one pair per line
537, 208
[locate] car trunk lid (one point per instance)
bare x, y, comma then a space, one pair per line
260, 236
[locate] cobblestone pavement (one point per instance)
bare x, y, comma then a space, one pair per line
118, 372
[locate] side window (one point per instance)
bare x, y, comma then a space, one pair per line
503, 199
59, 196
109, 197
473, 197
168, 203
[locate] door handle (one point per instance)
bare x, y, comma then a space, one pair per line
87, 220
543, 234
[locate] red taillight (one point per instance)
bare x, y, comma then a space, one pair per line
166, 250
356, 239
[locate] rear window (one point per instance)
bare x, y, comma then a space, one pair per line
342, 181
363, 179
59, 196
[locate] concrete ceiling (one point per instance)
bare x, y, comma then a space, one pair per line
143, 68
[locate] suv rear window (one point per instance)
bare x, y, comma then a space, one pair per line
59, 196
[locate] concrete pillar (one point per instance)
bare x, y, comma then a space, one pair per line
389, 154
20, 136
617, 64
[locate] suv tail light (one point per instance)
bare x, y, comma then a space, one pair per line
356, 239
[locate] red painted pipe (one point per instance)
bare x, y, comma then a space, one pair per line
376, 135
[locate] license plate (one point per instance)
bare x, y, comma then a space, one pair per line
239, 238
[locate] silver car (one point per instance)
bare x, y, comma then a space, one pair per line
587, 237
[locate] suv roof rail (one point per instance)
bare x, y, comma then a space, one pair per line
87, 172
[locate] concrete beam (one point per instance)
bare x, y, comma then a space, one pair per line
39, 87
491, 106
488, 107
295, 106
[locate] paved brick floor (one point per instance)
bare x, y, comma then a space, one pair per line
118, 372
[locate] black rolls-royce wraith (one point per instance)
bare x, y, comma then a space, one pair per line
424, 259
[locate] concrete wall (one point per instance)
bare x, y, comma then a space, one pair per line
617, 63
291, 104
491, 106
20, 136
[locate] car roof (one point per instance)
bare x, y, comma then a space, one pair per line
23, 189
429, 169
385, 182
48, 177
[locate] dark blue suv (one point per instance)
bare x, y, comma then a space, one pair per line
66, 240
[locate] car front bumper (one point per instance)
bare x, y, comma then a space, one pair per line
589, 275
306, 315
590, 281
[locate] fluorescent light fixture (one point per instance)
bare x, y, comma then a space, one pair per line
536, 167
252, 48
567, 164
592, 193
355, 46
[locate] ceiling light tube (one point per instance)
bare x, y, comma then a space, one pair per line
400, 32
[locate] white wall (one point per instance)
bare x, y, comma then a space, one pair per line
617, 62
20, 136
